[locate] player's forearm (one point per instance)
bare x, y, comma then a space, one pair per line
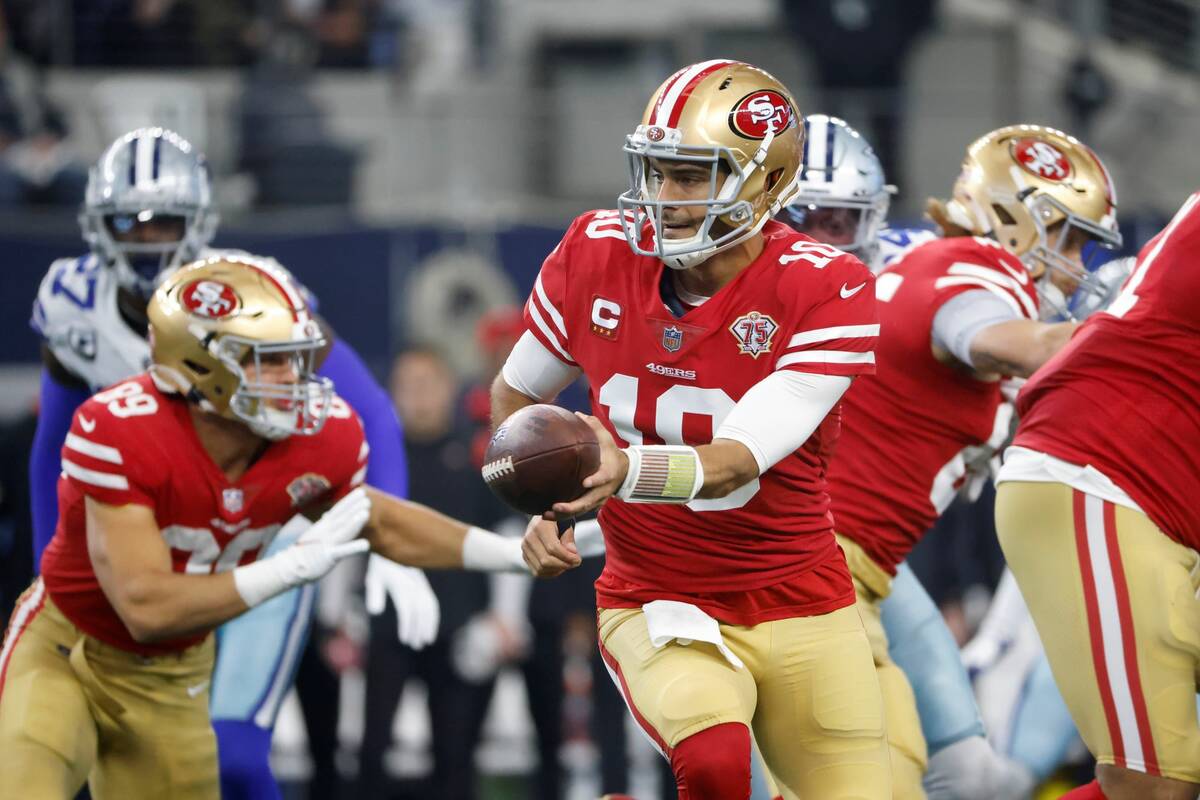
728, 465
1019, 347
506, 401
159, 606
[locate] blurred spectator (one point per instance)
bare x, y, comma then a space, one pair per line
134, 33
442, 476
37, 167
860, 49
286, 144
16, 526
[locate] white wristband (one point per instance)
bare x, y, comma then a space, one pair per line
661, 473
484, 551
260, 581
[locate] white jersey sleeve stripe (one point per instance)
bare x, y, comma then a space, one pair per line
551, 335
825, 357
360, 476
105, 479
98, 451
550, 309
976, 271
990, 286
364, 451
836, 332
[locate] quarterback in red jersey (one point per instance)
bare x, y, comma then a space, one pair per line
957, 314
718, 344
173, 483
1096, 511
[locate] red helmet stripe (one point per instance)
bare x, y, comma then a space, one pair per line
673, 98
293, 297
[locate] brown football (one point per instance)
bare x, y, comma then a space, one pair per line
539, 456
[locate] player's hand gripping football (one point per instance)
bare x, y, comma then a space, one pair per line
546, 553
601, 484
418, 613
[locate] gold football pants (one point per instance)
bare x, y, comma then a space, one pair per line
906, 742
73, 709
808, 692
1115, 602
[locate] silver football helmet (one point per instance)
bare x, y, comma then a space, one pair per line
842, 193
147, 209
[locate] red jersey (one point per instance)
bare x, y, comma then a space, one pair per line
1124, 394
899, 461
767, 550
135, 444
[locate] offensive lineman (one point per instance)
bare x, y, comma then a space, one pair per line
1096, 513
174, 483
958, 314
717, 351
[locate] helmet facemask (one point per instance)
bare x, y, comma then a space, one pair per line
640, 206
865, 219
1057, 231
277, 410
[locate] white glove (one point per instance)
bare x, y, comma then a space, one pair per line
316, 552
418, 612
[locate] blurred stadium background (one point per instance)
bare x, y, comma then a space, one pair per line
412, 161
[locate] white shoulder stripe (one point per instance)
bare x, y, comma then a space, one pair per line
551, 336
991, 286
1004, 281
364, 450
550, 309
359, 476
836, 332
825, 357
105, 479
89, 448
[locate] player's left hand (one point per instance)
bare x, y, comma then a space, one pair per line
418, 612
601, 484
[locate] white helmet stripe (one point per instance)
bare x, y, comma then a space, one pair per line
818, 149
143, 162
671, 95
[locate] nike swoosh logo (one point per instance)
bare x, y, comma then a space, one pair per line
194, 691
848, 293
88, 425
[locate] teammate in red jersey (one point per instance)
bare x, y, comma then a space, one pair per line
957, 314
717, 351
173, 483
1096, 511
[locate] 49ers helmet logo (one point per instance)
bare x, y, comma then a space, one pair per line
759, 113
1042, 159
209, 298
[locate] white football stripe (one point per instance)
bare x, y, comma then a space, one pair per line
1004, 281
550, 335
1003, 294
550, 309
20, 619
98, 451
676, 89
836, 332
1110, 625
105, 479
825, 357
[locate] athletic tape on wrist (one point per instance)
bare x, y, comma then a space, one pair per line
661, 473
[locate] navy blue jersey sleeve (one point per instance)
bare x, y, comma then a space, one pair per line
56, 408
387, 469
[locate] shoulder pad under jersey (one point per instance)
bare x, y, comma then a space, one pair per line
76, 314
894, 243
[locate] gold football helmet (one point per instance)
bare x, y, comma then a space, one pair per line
217, 327
1031, 188
724, 114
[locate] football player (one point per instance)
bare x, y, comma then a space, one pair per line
957, 313
147, 210
717, 343
1097, 517
843, 200
174, 484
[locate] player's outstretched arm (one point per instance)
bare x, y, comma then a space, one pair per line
133, 565
416, 535
1018, 347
